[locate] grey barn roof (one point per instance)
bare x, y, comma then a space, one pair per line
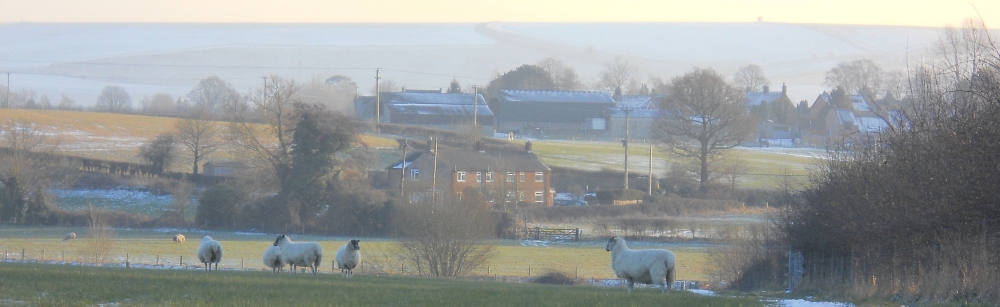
558, 96
439, 109
431, 98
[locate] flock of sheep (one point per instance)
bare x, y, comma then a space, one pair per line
284, 252
650, 266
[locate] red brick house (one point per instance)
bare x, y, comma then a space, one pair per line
502, 175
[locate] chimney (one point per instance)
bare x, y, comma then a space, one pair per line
784, 89
766, 89
527, 146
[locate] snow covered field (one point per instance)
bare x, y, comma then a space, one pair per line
80, 59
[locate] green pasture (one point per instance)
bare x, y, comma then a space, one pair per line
64, 285
150, 248
763, 168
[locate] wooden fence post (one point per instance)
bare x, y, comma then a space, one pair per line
126, 261
43, 255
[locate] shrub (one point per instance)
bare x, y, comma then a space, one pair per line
218, 207
553, 277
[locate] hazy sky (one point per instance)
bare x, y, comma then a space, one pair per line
931, 13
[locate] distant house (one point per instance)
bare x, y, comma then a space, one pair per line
554, 113
427, 108
766, 96
223, 168
509, 176
828, 122
772, 130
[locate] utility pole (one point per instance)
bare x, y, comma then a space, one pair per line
7, 100
402, 170
625, 143
434, 175
650, 170
378, 103
264, 100
475, 110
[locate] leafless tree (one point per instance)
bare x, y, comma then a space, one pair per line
212, 94
160, 103
450, 238
22, 136
336, 96
66, 103
703, 116
618, 74
114, 99
199, 134
750, 78
858, 77
262, 126
564, 76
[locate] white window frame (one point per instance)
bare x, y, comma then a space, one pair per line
520, 177
539, 176
479, 176
489, 176
539, 197
461, 177
414, 173
510, 176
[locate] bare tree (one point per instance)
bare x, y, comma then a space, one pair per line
564, 76
858, 77
22, 136
160, 103
618, 74
336, 96
750, 78
159, 152
114, 99
199, 135
450, 238
66, 103
212, 93
703, 117
262, 127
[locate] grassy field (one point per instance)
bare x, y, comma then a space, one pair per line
154, 248
61, 285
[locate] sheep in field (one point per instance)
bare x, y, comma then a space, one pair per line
210, 252
348, 257
307, 254
273, 259
69, 236
651, 266
179, 238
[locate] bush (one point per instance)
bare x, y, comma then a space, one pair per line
218, 207
554, 278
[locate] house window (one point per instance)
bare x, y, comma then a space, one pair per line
539, 196
539, 177
520, 196
521, 178
414, 173
461, 176
479, 176
489, 176
510, 176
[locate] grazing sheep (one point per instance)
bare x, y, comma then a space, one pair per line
273, 259
179, 238
69, 236
210, 252
348, 257
651, 266
307, 254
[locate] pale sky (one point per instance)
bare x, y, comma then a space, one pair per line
926, 13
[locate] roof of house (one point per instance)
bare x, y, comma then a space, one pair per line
871, 124
431, 98
635, 102
845, 116
461, 159
860, 103
756, 98
557, 96
440, 109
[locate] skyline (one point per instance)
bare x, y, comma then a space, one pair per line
938, 13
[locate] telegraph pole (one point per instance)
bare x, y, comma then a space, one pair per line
7, 100
434, 176
475, 110
378, 103
650, 170
402, 170
625, 143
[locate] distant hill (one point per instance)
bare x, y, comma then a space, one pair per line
80, 59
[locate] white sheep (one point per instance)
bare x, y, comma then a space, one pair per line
209, 252
69, 236
273, 259
348, 257
179, 238
307, 254
651, 266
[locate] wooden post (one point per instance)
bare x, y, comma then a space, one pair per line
64, 256
400, 268
488, 271
182, 260
126, 261
157, 259
529, 271
577, 274
241, 265
22, 255
43, 255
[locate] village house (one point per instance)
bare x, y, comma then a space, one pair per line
502, 175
